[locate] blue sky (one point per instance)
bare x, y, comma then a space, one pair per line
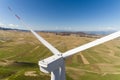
71, 15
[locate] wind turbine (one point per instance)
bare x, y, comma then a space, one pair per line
56, 64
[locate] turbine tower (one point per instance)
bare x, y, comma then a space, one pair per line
56, 64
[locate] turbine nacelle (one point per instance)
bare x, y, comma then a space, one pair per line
51, 63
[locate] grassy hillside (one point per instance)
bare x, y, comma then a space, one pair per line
21, 51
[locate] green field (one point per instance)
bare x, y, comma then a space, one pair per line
21, 51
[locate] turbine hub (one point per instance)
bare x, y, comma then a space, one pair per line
51, 63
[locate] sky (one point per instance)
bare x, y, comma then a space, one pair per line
67, 15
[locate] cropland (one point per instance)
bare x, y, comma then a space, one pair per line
20, 52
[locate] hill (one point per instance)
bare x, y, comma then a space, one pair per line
13, 29
2, 28
20, 52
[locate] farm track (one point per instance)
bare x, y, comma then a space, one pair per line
85, 61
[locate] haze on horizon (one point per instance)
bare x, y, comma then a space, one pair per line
71, 15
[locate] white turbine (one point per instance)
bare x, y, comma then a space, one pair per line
56, 63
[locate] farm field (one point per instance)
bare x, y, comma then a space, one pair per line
20, 52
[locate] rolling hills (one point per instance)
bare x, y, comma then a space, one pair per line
20, 52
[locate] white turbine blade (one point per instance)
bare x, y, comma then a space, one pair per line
48, 45
43, 41
91, 44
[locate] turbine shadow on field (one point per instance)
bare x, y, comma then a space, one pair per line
25, 64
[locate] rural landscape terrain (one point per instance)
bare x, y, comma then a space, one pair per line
20, 52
